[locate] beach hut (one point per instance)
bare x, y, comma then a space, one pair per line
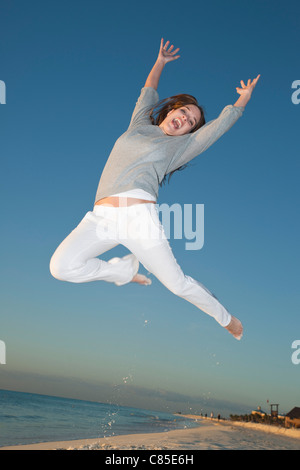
292, 419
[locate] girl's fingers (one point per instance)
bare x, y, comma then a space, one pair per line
256, 79
250, 84
168, 51
166, 45
172, 52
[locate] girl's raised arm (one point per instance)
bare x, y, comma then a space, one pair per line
166, 54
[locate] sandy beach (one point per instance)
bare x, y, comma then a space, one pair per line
210, 435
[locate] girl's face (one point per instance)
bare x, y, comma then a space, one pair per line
181, 121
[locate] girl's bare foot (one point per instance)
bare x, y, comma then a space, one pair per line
141, 279
235, 328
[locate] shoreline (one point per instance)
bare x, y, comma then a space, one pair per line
268, 428
211, 434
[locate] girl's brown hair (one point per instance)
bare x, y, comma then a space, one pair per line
163, 107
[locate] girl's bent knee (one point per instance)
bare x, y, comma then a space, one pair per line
57, 270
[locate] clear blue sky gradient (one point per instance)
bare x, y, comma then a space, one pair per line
73, 72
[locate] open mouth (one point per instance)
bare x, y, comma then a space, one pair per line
177, 123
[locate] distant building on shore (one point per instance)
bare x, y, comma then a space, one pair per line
292, 418
259, 412
273, 414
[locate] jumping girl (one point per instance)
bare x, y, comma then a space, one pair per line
162, 137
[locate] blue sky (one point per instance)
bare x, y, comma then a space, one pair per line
73, 71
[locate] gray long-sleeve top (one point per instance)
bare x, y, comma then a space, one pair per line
144, 154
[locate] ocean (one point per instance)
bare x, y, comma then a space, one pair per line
27, 418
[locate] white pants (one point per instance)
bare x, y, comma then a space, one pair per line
138, 228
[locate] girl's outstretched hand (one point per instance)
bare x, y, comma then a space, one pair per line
166, 54
246, 90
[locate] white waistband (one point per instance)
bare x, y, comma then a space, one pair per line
136, 194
